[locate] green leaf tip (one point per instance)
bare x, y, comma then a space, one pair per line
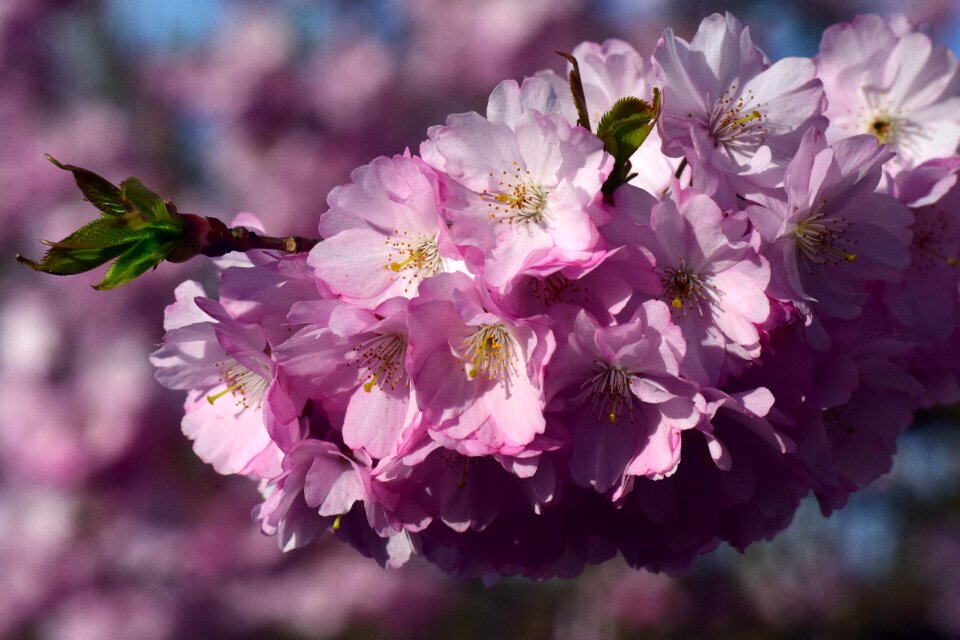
97, 190
137, 229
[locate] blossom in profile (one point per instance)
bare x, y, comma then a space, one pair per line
223, 366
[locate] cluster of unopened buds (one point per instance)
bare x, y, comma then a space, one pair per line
640, 310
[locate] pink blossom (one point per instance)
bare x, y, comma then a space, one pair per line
519, 197
353, 361
833, 233
617, 390
885, 79
926, 300
383, 232
227, 374
713, 278
316, 485
735, 118
477, 372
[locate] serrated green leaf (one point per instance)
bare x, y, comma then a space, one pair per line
622, 109
623, 129
140, 201
103, 232
99, 191
136, 260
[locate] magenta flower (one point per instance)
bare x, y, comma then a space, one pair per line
833, 233
617, 390
735, 118
886, 79
713, 279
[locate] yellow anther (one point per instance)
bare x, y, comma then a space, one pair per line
754, 115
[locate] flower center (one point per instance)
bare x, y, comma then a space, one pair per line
381, 361
882, 119
413, 259
932, 242
518, 198
736, 121
464, 464
609, 391
684, 290
555, 288
243, 384
822, 240
489, 352
883, 127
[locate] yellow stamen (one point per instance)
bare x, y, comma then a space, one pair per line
213, 398
489, 352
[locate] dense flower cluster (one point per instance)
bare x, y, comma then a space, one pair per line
496, 362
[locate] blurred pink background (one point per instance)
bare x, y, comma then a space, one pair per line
113, 529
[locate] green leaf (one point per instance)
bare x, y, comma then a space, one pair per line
139, 201
145, 254
576, 91
103, 232
621, 110
138, 230
100, 192
623, 129
61, 261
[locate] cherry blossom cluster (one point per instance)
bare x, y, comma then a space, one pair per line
495, 361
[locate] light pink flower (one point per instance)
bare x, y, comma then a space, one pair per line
519, 198
477, 372
383, 232
224, 368
736, 118
833, 233
885, 79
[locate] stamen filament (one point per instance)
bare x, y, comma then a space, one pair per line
609, 391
